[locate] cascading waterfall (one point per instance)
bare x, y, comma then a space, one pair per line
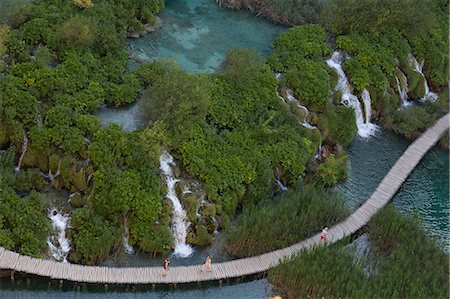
291, 98
58, 244
429, 96
24, 150
367, 105
365, 127
280, 184
402, 87
126, 235
179, 223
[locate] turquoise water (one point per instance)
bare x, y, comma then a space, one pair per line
425, 193
46, 289
198, 33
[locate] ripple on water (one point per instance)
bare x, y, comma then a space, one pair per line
425, 193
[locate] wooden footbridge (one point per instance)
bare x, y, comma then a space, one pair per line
241, 267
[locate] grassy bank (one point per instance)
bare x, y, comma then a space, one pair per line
276, 223
408, 264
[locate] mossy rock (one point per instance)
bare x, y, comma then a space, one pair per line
35, 159
77, 200
337, 97
200, 236
53, 162
419, 91
191, 202
209, 210
78, 177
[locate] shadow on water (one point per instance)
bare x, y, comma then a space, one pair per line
26, 286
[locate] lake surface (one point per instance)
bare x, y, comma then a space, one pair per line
425, 193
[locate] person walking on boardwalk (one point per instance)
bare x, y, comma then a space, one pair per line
208, 263
323, 235
166, 267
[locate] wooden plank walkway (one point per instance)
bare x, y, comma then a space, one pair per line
241, 267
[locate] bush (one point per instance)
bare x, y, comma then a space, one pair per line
410, 122
333, 170
339, 125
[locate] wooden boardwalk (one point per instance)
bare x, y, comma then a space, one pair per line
241, 267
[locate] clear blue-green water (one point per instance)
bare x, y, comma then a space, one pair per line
425, 193
198, 33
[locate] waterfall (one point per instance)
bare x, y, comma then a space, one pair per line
126, 235
418, 67
280, 184
58, 244
179, 223
319, 151
365, 128
291, 98
216, 225
24, 150
402, 88
367, 105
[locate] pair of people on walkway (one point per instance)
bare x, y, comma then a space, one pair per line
207, 265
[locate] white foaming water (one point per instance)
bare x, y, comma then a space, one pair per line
24, 150
365, 128
402, 88
179, 223
290, 96
280, 184
128, 248
58, 244
429, 96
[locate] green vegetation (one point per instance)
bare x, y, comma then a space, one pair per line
287, 12
276, 223
299, 53
407, 262
24, 226
62, 60
228, 129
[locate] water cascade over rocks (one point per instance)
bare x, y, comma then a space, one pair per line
24, 150
402, 87
365, 127
429, 96
126, 235
179, 223
58, 244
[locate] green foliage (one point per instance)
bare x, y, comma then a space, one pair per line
338, 126
347, 16
299, 53
287, 12
28, 180
408, 265
333, 170
280, 222
94, 237
24, 225
125, 93
410, 122
35, 30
